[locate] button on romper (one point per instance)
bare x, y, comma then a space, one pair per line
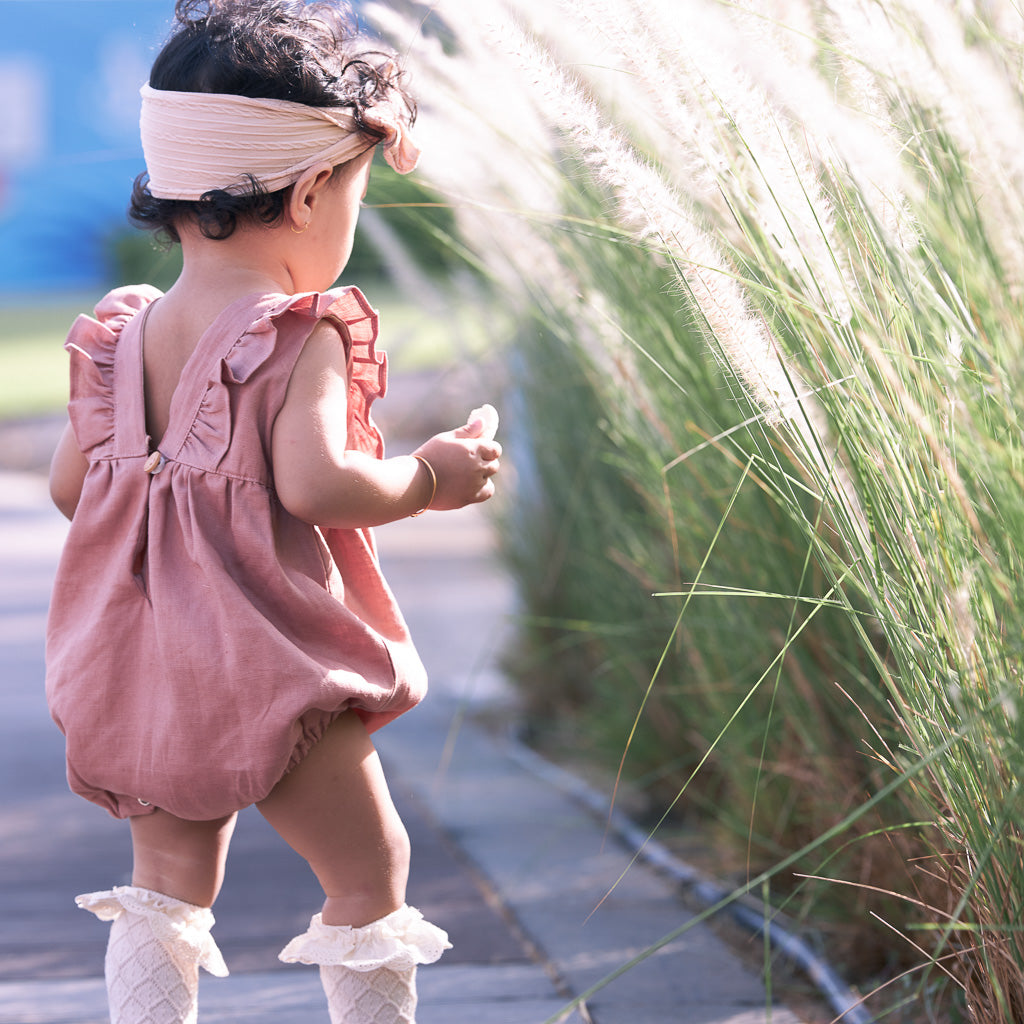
201, 638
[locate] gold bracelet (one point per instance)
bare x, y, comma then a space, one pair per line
433, 488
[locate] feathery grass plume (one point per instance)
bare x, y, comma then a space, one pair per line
641, 92
471, 108
646, 204
654, 212
1000, 20
686, 55
824, 88
973, 91
921, 57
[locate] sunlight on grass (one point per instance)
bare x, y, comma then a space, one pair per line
775, 243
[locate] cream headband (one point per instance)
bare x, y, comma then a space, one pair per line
194, 142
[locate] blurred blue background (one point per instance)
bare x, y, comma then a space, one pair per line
70, 72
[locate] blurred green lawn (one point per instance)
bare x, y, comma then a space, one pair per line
34, 365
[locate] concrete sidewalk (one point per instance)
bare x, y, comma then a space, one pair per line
510, 865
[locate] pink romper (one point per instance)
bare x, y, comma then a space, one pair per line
201, 638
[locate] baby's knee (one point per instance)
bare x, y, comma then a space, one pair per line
367, 885
370, 890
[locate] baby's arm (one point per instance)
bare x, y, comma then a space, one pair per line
319, 481
67, 473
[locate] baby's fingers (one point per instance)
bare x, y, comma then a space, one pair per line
481, 422
488, 417
485, 492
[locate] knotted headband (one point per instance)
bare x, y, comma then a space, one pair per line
194, 142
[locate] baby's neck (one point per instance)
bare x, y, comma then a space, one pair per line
230, 268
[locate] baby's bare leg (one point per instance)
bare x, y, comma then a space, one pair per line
160, 924
334, 809
183, 859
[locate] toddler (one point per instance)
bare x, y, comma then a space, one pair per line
220, 633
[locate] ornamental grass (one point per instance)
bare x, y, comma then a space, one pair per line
757, 268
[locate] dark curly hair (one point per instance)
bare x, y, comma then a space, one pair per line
264, 49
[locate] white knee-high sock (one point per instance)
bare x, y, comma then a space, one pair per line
380, 996
369, 973
148, 981
155, 949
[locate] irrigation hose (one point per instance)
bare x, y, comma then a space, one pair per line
707, 893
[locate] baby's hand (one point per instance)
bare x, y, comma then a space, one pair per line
464, 460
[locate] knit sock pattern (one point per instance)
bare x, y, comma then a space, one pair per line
380, 996
149, 981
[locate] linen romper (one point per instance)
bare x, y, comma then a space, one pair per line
200, 638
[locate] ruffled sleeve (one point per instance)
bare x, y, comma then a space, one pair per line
368, 368
357, 320
91, 344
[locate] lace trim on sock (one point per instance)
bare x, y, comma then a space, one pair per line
399, 941
171, 920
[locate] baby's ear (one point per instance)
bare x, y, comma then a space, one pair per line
304, 193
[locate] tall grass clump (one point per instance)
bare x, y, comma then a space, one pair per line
764, 267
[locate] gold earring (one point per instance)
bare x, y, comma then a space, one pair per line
304, 226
